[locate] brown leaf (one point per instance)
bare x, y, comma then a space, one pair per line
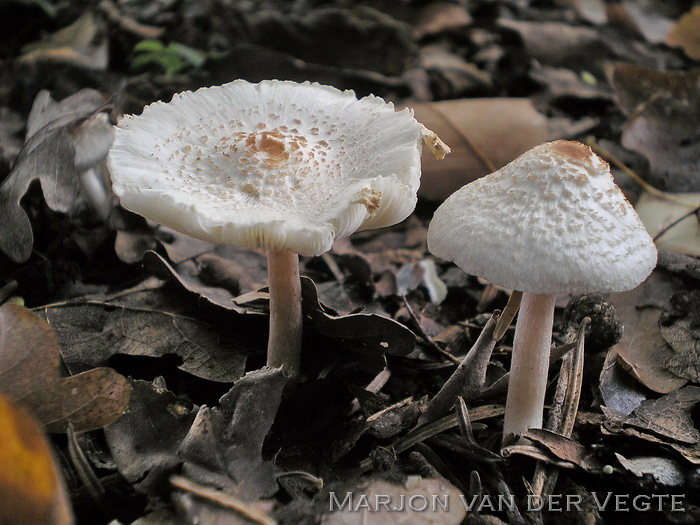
643, 18
565, 449
664, 116
661, 218
557, 43
31, 488
88, 401
682, 331
669, 416
94, 331
82, 44
501, 129
642, 351
686, 34
29, 374
440, 17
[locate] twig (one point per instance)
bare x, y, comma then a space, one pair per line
591, 142
508, 314
222, 499
678, 220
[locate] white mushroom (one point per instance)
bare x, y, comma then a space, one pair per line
284, 166
552, 221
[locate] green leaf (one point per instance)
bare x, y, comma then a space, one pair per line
189, 54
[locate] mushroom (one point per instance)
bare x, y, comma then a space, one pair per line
552, 221
279, 165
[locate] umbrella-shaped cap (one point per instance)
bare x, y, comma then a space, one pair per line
551, 221
277, 164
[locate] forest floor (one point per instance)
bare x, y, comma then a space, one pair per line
141, 351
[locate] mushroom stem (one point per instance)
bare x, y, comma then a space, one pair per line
530, 364
284, 344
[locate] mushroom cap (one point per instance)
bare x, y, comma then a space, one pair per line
551, 221
277, 164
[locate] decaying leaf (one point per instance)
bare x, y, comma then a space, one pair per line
565, 449
92, 332
663, 470
620, 391
668, 416
500, 128
642, 351
664, 118
369, 334
662, 215
681, 330
31, 488
369, 495
224, 445
557, 43
54, 134
145, 441
82, 44
29, 374
686, 34
642, 17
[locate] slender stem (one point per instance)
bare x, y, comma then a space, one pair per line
530, 364
284, 344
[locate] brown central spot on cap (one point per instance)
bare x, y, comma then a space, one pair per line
270, 147
571, 149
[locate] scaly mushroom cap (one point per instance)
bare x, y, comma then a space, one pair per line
551, 221
277, 164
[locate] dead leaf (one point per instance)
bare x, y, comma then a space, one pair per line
11, 123
642, 351
94, 331
565, 449
369, 334
367, 494
686, 34
663, 470
440, 17
82, 44
451, 76
668, 416
664, 118
592, 11
557, 43
31, 488
145, 441
29, 372
500, 128
49, 154
642, 17
224, 445
659, 214
681, 330
620, 391
358, 38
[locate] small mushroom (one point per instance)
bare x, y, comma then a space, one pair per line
284, 166
552, 221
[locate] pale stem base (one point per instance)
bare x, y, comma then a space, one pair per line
529, 364
284, 344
